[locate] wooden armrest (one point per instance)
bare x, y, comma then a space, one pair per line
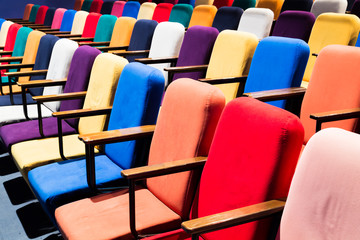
157, 60
82, 113
11, 59
41, 83
6, 53
56, 32
131, 52
95, 43
233, 217
278, 94
15, 66
120, 135
67, 35
164, 168
50, 29
29, 73
224, 80
58, 97
79, 39
336, 115
186, 69
105, 49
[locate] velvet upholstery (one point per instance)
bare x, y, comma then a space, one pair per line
122, 32
49, 16
58, 16
67, 20
196, 114
331, 28
294, 24
146, 10
4, 31
325, 90
227, 18
181, 13
104, 28
244, 4
86, 5
117, 8
196, 50
273, 5
166, 42
20, 42
162, 12
33, 12
100, 93
277, 63
107, 7
141, 37
40, 15
27, 11
11, 37
297, 5
203, 15
323, 198
78, 5
129, 110
79, 22
96, 6
131, 9
90, 25
325, 6
257, 21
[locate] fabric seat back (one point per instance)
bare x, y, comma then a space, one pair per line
27, 11
227, 18
123, 29
86, 5
40, 15
58, 16
257, 21
181, 13
107, 7
325, 6
297, 5
34, 10
131, 9
90, 24
67, 21
78, 5
4, 32
117, 8
105, 28
20, 42
273, 5
146, 10
96, 6
49, 16
244, 4
162, 12
79, 22
203, 15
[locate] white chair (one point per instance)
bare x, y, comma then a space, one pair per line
4, 31
257, 21
322, 6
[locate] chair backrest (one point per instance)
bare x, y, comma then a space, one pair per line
331, 28
122, 32
162, 12
105, 28
355, 9
27, 11
67, 20
203, 2
78, 5
49, 16
90, 25
141, 37
31, 48
196, 50
166, 42
20, 41
324, 6
4, 32
107, 7
294, 24
257, 21
227, 18
181, 13
59, 65
297, 5
86, 5
33, 13
101, 89
277, 63
79, 22
146, 10
231, 57
244, 4
203, 15
250, 134
58, 16
96, 6
273, 5
78, 78
131, 9
42, 60
11, 37
148, 84
195, 108
323, 191
333, 86
190, 2
222, 3
117, 8
40, 15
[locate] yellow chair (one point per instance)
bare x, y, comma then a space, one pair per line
273, 5
203, 15
102, 85
330, 28
146, 10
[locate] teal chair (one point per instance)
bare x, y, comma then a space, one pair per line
244, 4
33, 13
86, 5
181, 13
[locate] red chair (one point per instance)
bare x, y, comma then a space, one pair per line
96, 6
162, 12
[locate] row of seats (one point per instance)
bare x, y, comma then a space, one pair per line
164, 202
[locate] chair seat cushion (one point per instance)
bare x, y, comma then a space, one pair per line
15, 89
62, 182
15, 113
5, 100
106, 216
30, 130
31, 154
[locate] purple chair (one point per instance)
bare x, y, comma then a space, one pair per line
294, 24
77, 81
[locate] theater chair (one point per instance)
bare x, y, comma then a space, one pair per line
3, 33
96, 6
162, 12
222, 3
20, 43
326, 6
203, 15
117, 8
66, 23
273, 5
78, 5
56, 21
146, 10
257, 21
26, 14
106, 7
86, 5
297, 5
227, 18
181, 13
248, 163
131, 9
244, 4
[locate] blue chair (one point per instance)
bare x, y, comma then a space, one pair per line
67, 181
67, 21
131, 9
278, 62
191, 2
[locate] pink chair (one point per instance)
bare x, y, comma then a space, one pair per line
59, 13
118, 8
